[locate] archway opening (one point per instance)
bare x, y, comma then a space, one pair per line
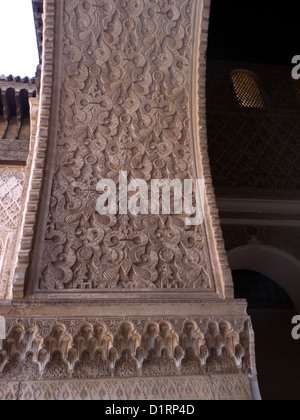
277, 354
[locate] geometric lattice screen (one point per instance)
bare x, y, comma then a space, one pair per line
247, 90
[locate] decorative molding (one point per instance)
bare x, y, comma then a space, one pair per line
269, 209
259, 222
93, 348
38, 151
213, 227
60, 300
189, 388
14, 152
239, 205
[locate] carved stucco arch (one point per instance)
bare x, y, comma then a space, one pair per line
278, 265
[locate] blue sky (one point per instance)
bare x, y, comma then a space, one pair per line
18, 51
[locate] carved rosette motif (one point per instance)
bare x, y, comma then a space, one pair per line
102, 348
124, 106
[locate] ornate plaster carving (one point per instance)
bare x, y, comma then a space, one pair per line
124, 106
96, 348
196, 271
122, 69
11, 189
231, 387
12, 182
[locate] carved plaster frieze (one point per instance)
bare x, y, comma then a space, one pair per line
96, 348
189, 388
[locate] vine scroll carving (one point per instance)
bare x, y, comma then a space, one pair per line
125, 106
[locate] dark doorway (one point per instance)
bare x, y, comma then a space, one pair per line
277, 354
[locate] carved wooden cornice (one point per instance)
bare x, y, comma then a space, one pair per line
15, 121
